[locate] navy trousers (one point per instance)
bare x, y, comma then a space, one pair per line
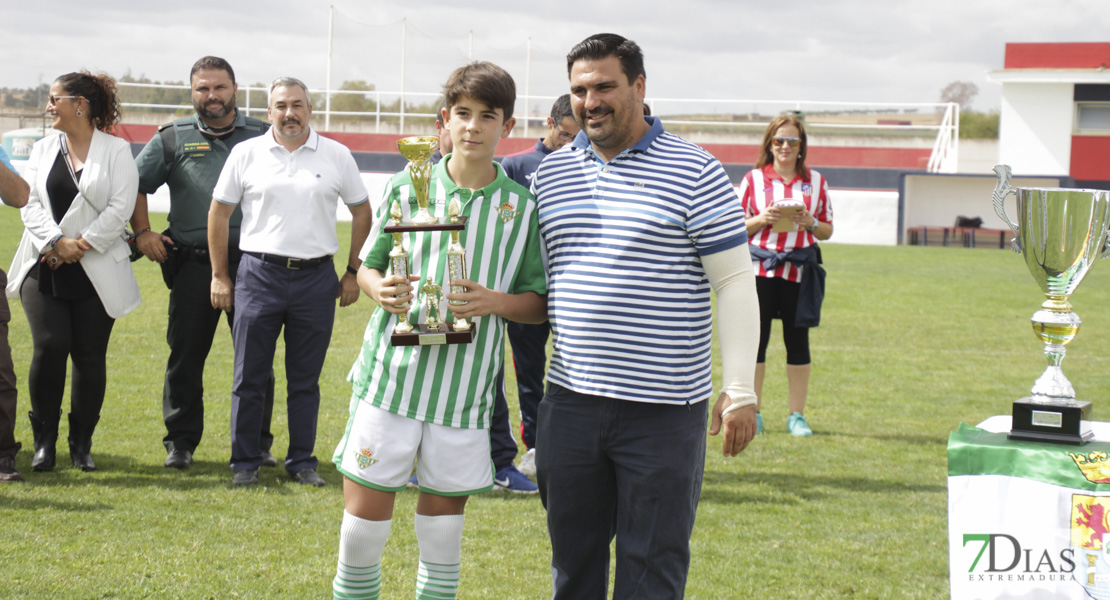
529, 343
269, 297
632, 470
502, 443
530, 361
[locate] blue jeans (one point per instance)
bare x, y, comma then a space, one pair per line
632, 470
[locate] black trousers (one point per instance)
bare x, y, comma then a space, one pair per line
190, 331
8, 445
632, 470
61, 331
778, 299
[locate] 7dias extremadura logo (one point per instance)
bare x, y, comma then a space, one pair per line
1003, 559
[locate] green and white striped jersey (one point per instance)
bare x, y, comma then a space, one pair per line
452, 385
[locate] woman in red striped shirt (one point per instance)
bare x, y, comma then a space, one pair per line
787, 209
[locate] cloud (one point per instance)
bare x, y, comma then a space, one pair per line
898, 51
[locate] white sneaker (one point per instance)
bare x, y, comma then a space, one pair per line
528, 464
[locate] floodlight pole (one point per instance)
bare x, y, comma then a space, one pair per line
404, 30
527, 84
327, 92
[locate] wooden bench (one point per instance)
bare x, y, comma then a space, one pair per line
967, 237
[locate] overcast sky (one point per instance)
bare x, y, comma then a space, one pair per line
898, 51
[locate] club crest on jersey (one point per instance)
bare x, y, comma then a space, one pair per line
507, 212
807, 189
365, 458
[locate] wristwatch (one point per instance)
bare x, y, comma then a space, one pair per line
813, 227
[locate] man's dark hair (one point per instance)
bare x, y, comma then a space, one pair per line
212, 62
604, 45
442, 106
482, 81
561, 109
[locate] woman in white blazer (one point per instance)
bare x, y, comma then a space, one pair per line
72, 269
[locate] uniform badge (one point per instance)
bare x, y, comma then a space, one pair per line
365, 458
507, 212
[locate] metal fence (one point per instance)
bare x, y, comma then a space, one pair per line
701, 120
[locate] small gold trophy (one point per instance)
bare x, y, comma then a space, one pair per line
456, 263
432, 298
418, 150
399, 261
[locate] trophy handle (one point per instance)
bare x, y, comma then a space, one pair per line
1002, 189
1106, 245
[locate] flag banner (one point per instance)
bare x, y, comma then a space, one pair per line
1027, 520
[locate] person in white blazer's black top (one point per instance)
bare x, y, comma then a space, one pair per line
72, 269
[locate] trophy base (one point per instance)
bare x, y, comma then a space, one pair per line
434, 225
422, 336
1057, 422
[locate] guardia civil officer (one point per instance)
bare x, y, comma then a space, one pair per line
187, 155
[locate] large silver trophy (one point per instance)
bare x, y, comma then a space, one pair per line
1061, 233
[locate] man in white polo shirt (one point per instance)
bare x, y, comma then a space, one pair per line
287, 182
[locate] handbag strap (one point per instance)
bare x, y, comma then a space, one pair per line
69, 165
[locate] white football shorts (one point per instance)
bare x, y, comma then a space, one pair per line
379, 449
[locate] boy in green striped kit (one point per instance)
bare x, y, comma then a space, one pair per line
432, 405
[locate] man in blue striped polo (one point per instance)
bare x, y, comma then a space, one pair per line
639, 225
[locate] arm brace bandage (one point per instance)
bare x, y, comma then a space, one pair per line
733, 279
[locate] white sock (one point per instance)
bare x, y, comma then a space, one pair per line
440, 540
359, 573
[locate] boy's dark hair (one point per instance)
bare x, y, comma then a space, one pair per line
212, 62
482, 81
604, 45
561, 109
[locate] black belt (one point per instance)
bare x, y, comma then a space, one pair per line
289, 262
192, 253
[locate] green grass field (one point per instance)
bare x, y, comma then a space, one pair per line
913, 341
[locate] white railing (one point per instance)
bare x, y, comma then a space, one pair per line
915, 123
946, 149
